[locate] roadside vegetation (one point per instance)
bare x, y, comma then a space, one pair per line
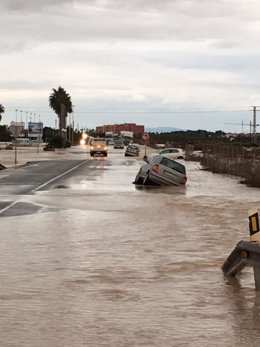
60, 102
198, 138
2, 110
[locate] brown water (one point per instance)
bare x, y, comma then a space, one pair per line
105, 264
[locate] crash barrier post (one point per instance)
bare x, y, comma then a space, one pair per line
246, 253
253, 216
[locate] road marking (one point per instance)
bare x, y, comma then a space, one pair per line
41, 186
9, 206
57, 177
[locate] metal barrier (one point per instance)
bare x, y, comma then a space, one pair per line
246, 253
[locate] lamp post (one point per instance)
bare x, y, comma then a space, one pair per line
26, 123
69, 128
72, 135
15, 144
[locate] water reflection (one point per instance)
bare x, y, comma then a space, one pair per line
170, 190
98, 158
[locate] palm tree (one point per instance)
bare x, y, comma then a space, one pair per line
2, 110
60, 102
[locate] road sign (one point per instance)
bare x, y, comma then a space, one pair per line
145, 136
39, 139
16, 130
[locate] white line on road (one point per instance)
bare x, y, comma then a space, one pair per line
9, 206
57, 177
43, 185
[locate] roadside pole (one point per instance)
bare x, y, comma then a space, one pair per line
145, 138
15, 152
16, 128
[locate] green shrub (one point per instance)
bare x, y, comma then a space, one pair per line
58, 142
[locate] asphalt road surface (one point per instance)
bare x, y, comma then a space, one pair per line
38, 176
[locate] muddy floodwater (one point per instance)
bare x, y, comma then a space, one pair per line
105, 263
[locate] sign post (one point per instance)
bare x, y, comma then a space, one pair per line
16, 128
145, 138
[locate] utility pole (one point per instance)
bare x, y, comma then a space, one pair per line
72, 135
254, 125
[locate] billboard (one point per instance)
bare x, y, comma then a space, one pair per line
35, 129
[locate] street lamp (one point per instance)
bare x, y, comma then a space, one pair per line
72, 135
26, 123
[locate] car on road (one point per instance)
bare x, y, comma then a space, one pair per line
111, 142
98, 146
173, 153
132, 150
119, 144
9, 146
162, 170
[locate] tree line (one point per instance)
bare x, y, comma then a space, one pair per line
60, 102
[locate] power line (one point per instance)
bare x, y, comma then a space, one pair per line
144, 111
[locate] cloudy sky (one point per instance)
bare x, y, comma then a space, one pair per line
190, 64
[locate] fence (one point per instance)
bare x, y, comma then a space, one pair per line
235, 160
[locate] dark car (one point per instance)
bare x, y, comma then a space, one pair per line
162, 170
119, 144
132, 151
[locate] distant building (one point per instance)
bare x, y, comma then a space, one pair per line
102, 129
136, 129
117, 128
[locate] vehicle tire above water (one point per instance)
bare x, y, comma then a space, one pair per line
138, 180
146, 180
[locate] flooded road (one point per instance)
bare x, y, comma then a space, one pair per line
104, 263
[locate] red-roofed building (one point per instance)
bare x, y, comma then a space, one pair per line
116, 128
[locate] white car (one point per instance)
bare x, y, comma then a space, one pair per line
161, 170
173, 153
98, 146
132, 150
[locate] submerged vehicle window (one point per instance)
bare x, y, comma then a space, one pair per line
173, 165
153, 159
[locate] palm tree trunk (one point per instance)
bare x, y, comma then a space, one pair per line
62, 119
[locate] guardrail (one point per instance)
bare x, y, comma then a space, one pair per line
246, 253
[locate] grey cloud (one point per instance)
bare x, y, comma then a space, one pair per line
72, 24
30, 5
235, 60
